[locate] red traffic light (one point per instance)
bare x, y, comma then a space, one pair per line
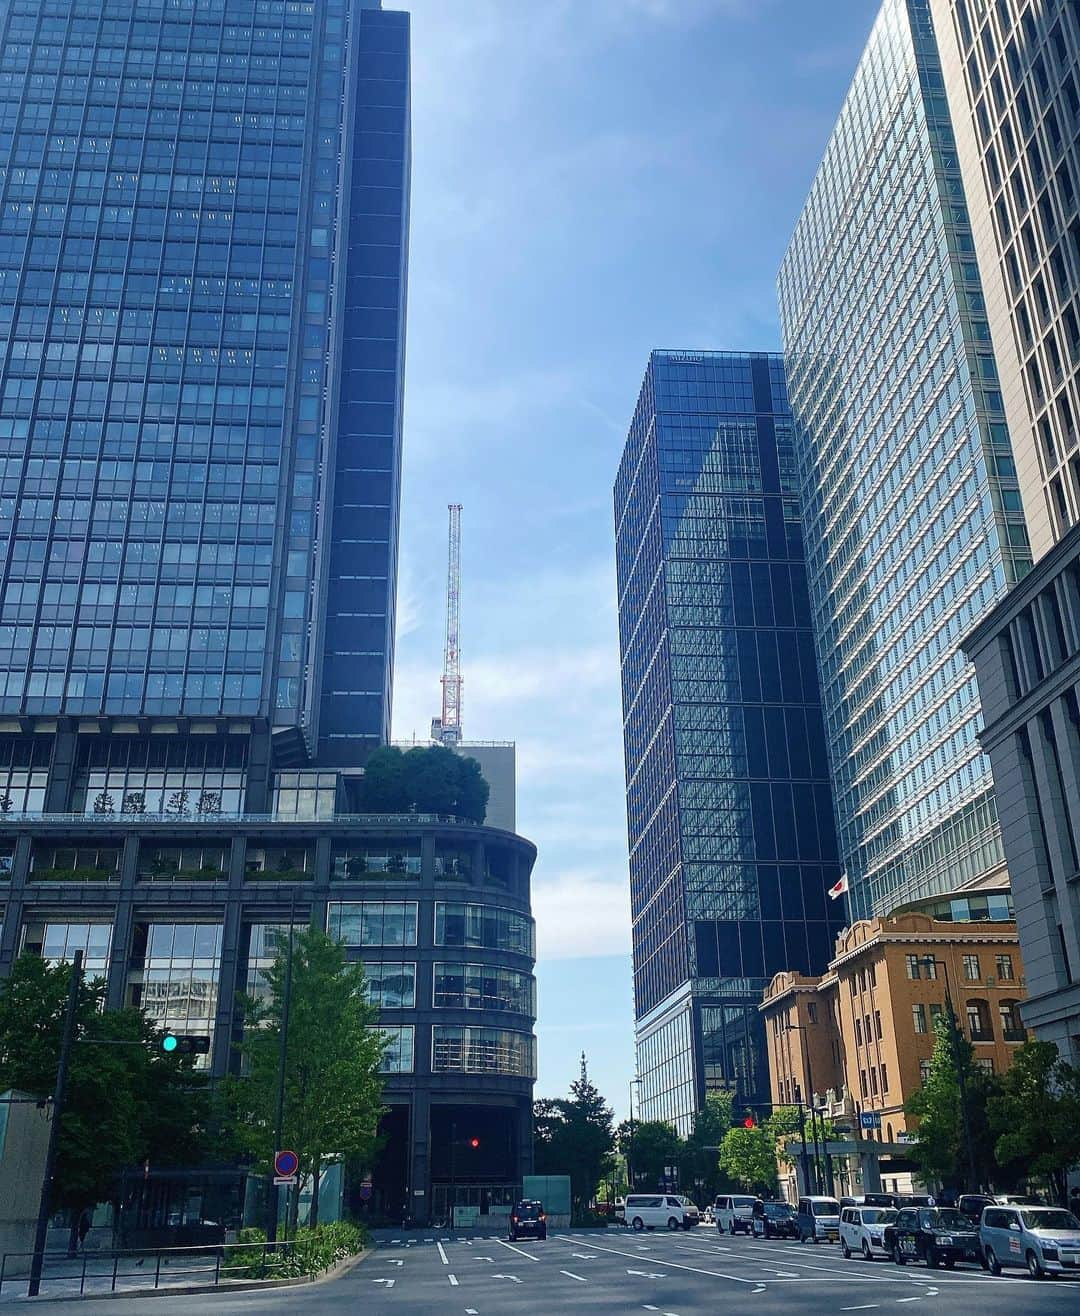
748, 1123
474, 1143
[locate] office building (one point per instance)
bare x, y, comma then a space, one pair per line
203, 251
1027, 656
732, 848
1012, 76
857, 1041
914, 519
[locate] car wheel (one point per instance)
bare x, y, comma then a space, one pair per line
897, 1255
845, 1250
672, 1223
993, 1265
542, 1234
731, 1231
867, 1254
638, 1223
950, 1264
1035, 1266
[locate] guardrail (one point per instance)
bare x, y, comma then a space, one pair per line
115, 1267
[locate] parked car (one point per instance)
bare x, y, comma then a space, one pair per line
818, 1218
734, 1215
773, 1220
862, 1230
971, 1205
938, 1235
661, 1210
620, 1210
528, 1220
1045, 1239
1014, 1199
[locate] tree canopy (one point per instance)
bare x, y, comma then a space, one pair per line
1035, 1115
427, 779
575, 1136
333, 1090
126, 1102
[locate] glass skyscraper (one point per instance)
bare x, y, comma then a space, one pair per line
732, 846
913, 510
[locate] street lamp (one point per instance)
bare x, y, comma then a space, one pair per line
961, 1072
804, 1051
634, 1082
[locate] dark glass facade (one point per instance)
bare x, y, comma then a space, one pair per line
202, 284
732, 846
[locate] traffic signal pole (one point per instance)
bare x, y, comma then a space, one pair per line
283, 1051
45, 1205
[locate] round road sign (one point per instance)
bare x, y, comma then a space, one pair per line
286, 1163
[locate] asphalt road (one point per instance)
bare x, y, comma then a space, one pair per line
682, 1274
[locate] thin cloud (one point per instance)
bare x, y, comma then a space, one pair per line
580, 915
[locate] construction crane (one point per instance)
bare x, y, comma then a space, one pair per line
447, 729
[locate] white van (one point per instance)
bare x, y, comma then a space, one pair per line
660, 1211
862, 1230
734, 1215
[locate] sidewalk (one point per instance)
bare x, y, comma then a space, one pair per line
64, 1278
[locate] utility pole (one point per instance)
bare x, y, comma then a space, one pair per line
283, 1051
67, 1037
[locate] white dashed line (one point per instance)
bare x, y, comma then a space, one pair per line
518, 1250
442, 1253
453, 1281
570, 1275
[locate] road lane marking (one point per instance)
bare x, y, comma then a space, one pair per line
867, 1306
585, 1256
647, 1274
510, 1247
512, 1277
761, 1289
453, 1281
392, 1261
442, 1253
571, 1275
649, 1307
677, 1265
388, 1282
471, 1311
917, 1298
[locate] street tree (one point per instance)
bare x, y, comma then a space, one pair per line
427, 779
1035, 1115
333, 1089
651, 1147
699, 1162
749, 1157
126, 1102
940, 1148
575, 1136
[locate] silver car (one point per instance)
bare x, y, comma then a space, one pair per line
1045, 1239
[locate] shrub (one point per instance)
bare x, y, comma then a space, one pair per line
312, 1251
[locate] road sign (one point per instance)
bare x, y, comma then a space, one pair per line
284, 1180
870, 1119
366, 1191
286, 1164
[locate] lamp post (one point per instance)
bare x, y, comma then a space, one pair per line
961, 1072
634, 1082
804, 1052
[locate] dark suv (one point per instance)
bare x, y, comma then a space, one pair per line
527, 1220
940, 1236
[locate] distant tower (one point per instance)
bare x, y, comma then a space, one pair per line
447, 728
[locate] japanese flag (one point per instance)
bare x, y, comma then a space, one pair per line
835, 892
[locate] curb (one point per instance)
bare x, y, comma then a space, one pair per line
226, 1286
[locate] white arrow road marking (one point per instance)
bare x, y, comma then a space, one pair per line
453, 1281
442, 1254
760, 1289
570, 1275
585, 1256
471, 1311
491, 1259
388, 1282
392, 1261
647, 1274
513, 1277
648, 1307
510, 1247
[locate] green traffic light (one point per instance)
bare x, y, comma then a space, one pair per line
169, 1042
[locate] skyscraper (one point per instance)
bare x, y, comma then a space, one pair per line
913, 511
1012, 75
202, 294
732, 847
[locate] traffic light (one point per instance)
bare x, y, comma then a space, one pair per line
748, 1123
185, 1044
474, 1143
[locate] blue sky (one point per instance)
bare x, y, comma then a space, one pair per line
590, 180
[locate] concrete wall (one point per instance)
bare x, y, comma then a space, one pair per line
24, 1139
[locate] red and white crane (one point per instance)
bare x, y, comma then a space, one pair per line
447, 729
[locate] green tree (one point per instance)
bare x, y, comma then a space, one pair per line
427, 779
126, 1102
575, 1136
940, 1148
333, 1089
749, 1157
650, 1146
699, 1162
1035, 1115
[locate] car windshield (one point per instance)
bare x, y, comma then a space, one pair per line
528, 1210
777, 1209
877, 1215
946, 1218
827, 1206
1049, 1220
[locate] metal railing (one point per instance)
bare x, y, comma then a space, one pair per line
209, 819
114, 1268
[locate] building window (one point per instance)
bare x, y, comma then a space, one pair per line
1005, 968
265, 942
400, 1047
872, 972
858, 1032
862, 1083
305, 794
884, 1079
873, 1081
1012, 1026
57, 942
391, 985
918, 1017
912, 967
877, 1024
924, 1071
373, 922
462, 1050
985, 1063
971, 968
483, 987
978, 1021
174, 976
483, 925
378, 858
811, 1012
